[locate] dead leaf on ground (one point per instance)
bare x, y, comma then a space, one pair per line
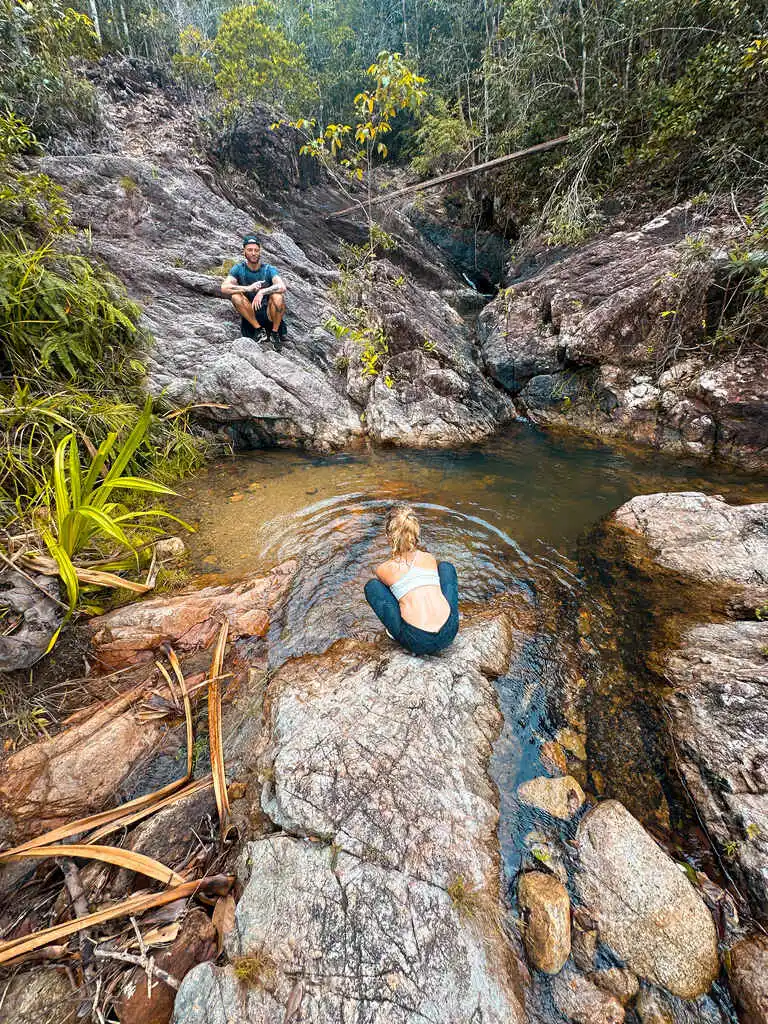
223, 919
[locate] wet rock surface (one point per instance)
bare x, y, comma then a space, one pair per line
644, 907
561, 797
748, 978
601, 341
699, 567
386, 906
581, 1001
546, 912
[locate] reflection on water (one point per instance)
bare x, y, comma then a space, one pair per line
501, 512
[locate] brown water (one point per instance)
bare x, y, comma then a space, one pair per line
502, 512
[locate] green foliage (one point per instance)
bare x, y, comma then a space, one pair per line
248, 59
443, 138
27, 199
57, 313
37, 42
368, 338
396, 88
78, 507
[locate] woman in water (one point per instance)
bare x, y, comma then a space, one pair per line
415, 597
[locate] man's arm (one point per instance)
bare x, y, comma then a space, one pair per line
229, 287
276, 288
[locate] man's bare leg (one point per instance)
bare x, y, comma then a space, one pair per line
243, 305
276, 310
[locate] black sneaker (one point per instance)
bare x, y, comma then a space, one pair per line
276, 342
282, 330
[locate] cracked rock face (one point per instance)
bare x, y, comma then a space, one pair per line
601, 341
169, 227
703, 564
387, 910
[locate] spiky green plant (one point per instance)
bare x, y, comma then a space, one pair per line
83, 506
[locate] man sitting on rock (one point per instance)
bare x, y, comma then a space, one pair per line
257, 292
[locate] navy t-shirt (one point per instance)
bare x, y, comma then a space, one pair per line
243, 274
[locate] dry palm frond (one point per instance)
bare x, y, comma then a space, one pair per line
108, 855
214, 731
126, 813
187, 705
217, 884
144, 812
48, 567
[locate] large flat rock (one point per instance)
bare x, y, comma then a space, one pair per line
384, 754
380, 900
697, 568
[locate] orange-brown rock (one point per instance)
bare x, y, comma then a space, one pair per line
195, 943
748, 978
546, 910
77, 771
189, 621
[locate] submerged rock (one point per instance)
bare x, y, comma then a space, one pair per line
561, 797
654, 1006
190, 620
618, 982
582, 1002
645, 908
546, 913
389, 906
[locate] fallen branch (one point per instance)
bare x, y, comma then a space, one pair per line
146, 963
489, 165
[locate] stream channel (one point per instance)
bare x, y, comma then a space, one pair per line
509, 514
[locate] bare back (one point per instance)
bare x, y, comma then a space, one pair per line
425, 607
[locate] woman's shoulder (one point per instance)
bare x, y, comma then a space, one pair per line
425, 561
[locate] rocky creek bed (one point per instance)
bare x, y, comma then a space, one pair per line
508, 831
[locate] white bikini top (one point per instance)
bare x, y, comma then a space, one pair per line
415, 577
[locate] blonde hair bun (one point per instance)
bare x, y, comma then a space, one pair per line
402, 529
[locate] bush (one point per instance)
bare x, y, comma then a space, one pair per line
443, 138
